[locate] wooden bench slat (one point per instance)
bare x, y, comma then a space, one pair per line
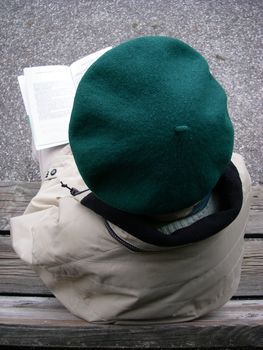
45, 322
18, 278
255, 222
15, 196
44, 310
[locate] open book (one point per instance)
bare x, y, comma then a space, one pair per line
48, 94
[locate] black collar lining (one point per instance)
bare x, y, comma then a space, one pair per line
229, 189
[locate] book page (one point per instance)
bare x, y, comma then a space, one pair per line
50, 91
79, 67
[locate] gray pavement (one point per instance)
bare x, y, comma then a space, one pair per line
38, 32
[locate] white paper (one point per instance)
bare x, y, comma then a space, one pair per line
50, 91
79, 67
48, 94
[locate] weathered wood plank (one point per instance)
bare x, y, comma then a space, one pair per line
251, 283
15, 196
17, 278
43, 322
255, 221
32, 310
257, 197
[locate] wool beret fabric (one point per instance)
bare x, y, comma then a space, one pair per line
150, 131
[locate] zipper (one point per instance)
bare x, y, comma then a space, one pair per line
120, 240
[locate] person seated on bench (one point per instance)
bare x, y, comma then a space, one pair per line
141, 218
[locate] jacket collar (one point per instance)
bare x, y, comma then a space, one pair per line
229, 191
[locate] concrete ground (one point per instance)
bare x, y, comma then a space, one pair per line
41, 32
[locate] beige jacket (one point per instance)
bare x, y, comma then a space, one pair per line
105, 274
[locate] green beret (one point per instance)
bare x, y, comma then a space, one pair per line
150, 131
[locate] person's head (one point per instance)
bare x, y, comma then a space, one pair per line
150, 130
